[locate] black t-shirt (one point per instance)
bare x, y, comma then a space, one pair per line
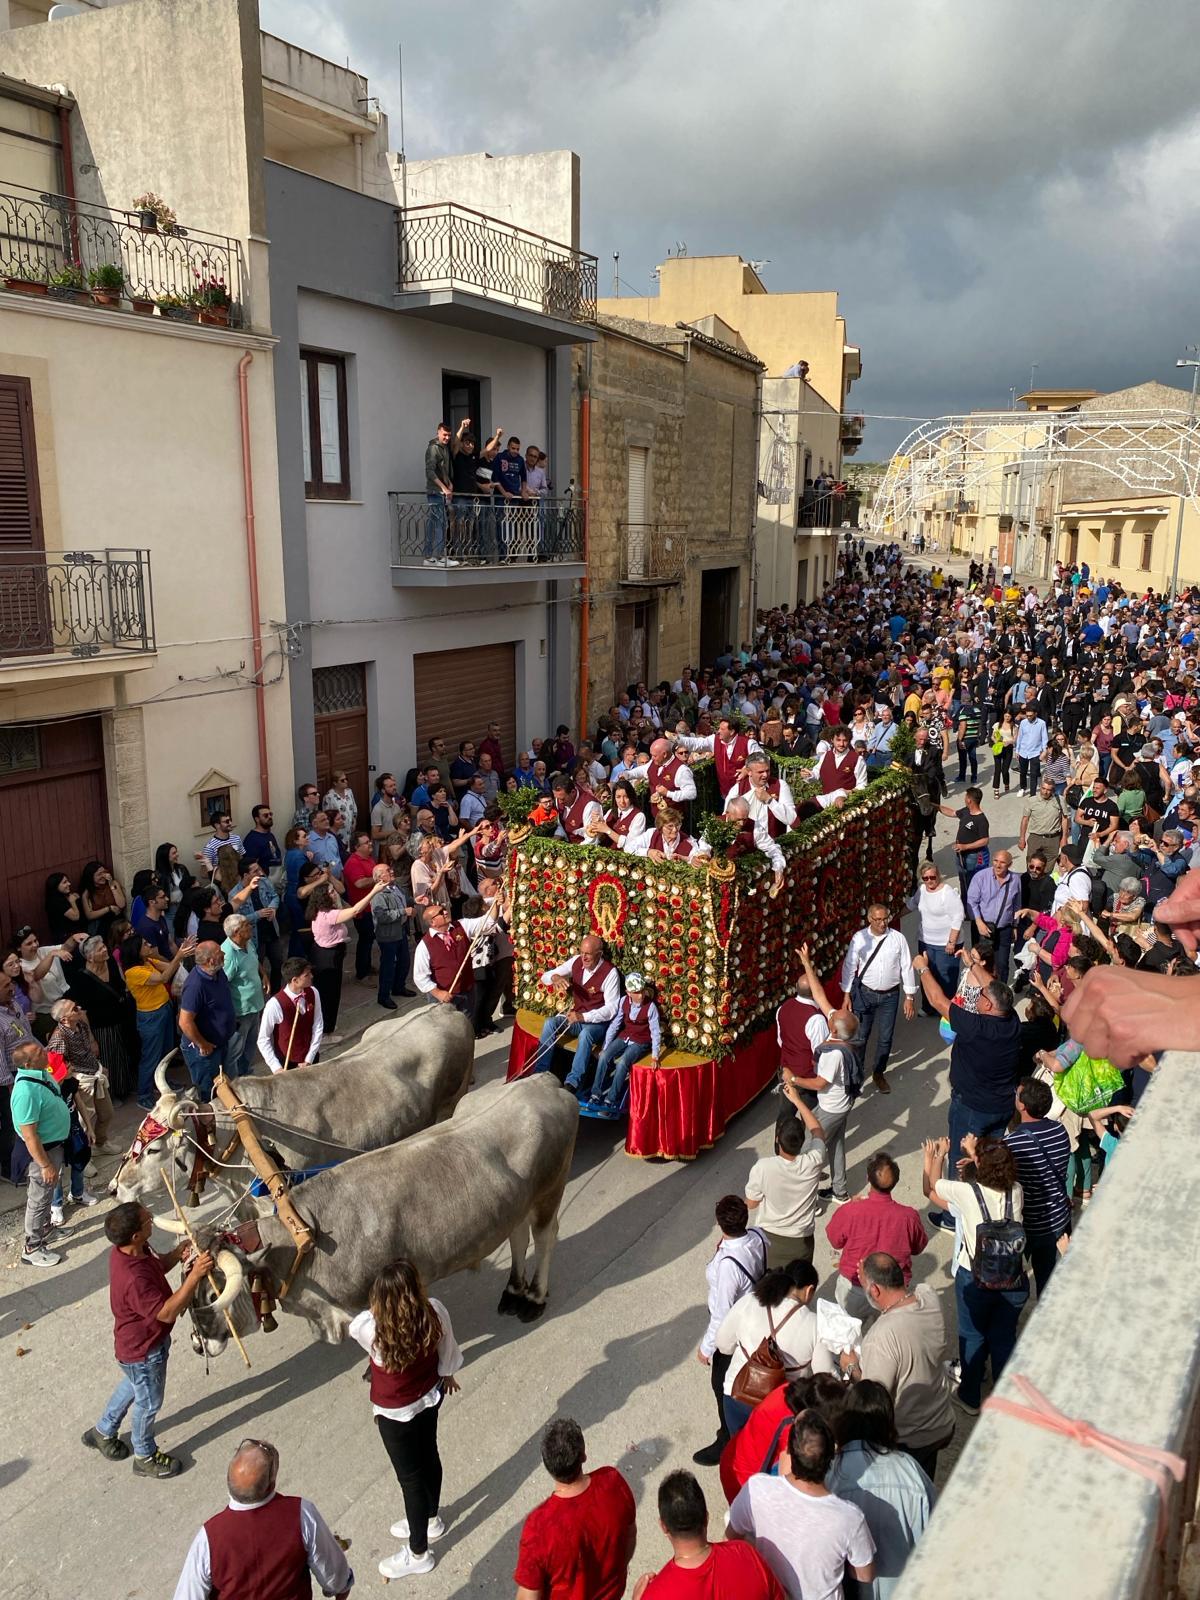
1037, 894
985, 1061
462, 473
1096, 814
971, 827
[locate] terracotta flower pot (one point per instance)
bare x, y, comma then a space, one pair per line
144, 308
25, 285
215, 316
106, 297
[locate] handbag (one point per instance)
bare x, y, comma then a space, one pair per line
1087, 1084
1073, 796
765, 1369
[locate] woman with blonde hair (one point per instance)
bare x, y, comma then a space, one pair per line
413, 1355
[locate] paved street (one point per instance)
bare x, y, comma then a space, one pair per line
616, 1350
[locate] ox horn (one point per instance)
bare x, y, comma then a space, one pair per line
234, 1273
160, 1074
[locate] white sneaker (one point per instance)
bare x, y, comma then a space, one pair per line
56, 1216
85, 1199
41, 1257
437, 1529
430, 562
406, 1565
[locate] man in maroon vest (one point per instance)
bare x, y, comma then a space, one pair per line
670, 780
729, 750
591, 986
263, 1546
800, 1028
442, 969
291, 1028
839, 766
577, 810
770, 799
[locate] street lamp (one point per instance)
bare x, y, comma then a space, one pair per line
1185, 361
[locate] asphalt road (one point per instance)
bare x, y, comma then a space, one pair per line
616, 1350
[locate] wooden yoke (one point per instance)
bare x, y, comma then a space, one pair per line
243, 1121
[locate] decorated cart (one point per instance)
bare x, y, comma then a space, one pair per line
720, 951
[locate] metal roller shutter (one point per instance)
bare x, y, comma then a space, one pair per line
458, 692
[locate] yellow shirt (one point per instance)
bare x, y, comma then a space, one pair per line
1012, 593
937, 579
147, 996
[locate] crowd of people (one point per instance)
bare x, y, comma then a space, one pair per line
828, 1434
488, 501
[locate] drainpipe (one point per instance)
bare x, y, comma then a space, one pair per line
260, 699
585, 479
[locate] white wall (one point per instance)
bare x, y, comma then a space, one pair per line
539, 192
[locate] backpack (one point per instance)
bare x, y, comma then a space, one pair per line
999, 1258
766, 1369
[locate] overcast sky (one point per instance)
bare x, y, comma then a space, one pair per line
987, 183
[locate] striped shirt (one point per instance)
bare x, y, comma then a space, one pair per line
1041, 1150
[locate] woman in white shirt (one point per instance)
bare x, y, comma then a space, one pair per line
987, 1317
777, 1306
414, 1356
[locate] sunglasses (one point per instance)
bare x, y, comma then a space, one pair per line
260, 1444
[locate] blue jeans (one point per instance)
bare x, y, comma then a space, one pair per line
156, 1034
142, 1387
77, 1185
393, 968
435, 525
874, 1004
968, 751
947, 969
557, 1029
987, 1326
624, 1052
241, 1047
737, 1415
204, 1069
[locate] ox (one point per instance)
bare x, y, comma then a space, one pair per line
445, 1199
403, 1075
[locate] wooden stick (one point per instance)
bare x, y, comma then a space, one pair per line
212, 1282
270, 1174
287, 1054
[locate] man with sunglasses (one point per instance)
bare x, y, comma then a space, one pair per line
263, 1543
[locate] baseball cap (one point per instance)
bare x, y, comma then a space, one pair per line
634, 980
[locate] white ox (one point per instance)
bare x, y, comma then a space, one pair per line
444, 1199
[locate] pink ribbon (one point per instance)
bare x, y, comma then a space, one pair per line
1158, 1466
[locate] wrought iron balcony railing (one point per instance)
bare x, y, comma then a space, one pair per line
822, 511
479, 531
651, 552
447, 246
79, 603
53, 244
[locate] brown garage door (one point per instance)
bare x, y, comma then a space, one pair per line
458, 692
53, 813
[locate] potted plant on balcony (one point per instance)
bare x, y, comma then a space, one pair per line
177, 308
67, 284
25, 280
153, 213
106, 282
211, 298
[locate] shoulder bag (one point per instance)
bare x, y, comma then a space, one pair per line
766, 1368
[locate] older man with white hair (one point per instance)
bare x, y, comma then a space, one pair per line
769, 799
245, 980
670, 780
751, 835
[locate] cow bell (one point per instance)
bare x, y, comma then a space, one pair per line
268, 1323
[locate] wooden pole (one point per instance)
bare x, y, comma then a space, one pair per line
212, 1282
270, 1174
287, 1054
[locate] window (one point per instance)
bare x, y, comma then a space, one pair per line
461, 397
1147, 551
1116, 549
31, 146
639, 457
323, 426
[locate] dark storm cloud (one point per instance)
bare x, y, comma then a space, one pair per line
987, 183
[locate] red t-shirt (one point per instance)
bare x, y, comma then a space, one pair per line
746, 1453
357, 878
575, 1548
137, 1291
733, 1571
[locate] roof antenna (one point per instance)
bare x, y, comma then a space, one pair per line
616, 275
403, 157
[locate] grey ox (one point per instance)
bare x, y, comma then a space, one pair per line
403, 1075
445, 1199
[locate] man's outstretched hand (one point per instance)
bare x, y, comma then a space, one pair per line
1181, 912
1122, 1015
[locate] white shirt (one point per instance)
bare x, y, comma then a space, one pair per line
762, 841
830, 1064
1077, 885
639, 841
271, 1018
708, 741
422, 971
612, 988
782, 807
816, 1028
889, 969
685, 782
745, 1326
636, 829
824, 746
450, 1359
805, 1539
592, 812
326, 1559
941, 913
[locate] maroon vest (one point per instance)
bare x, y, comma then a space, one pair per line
621, 825
635, 1029
774, 827
302, 1038
259, 1554
571, 816
445, 963
729, 765
664, 776
796, 1052
588, 996
837, 772
683, 845
395, 1390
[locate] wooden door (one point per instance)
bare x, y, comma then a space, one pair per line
458, 692
24, 589
340, 730
631, 647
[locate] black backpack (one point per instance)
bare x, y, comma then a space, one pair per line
999, 1258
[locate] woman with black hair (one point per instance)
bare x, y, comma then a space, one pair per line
173, 875
778, 1308
64, 915
886, 1484
104, 899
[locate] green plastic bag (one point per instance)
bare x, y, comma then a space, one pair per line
1087, 1084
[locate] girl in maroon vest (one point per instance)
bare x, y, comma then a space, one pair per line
413, 1358
626, 822
635, 1032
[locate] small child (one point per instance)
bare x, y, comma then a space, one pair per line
636, 1029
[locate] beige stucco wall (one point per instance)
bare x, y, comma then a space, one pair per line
1131, 517
797, 424
538, 192
139, 445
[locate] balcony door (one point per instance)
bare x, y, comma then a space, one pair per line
462, 397
24, 586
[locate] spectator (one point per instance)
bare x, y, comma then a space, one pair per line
508, 471
64, 915
241, 969
329, 929
307, 801
431, 778
223, 838
888, 1486
738, 1262
1041, 1151
74, 1041
391, 914
323, 848
728, 1570
475, 801
152, 924
340, 797
207, 1019
581, 1539
490, 775
144, 1310
781, 1190
876, 1222
42, 1121
258, 901
788, 1291
877, 966
413, 1358
358, 873
388, 807
98, 986
149, 979
462, 769
174, 877
972, 839
1031, 741
439, 492
261, 845
490, 745
102, 897
993, 897
262, 1536
940, 915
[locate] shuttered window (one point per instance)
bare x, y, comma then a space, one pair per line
20, 501
638, 461
323, 413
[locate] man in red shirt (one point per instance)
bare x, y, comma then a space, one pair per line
698, 1570
144, 1306
875, 1222
360, 864
578, 1544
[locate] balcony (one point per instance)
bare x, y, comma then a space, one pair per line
79, 606
651, 553
460, 266
478, 541
822, 510
851, 434
52, 245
